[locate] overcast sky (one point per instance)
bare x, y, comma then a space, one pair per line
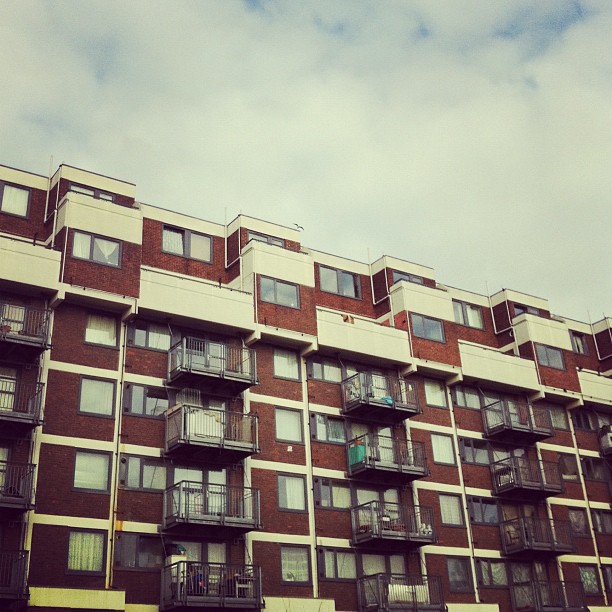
474, 137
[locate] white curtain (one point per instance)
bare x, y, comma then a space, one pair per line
159, 337
450, 509
341, 496
291, 493
106, 251
101, 330
85, 551
91, 471
81, 245
173, 242
373, 564
442, 448
286, 364
15, 201
97, 396
294, 562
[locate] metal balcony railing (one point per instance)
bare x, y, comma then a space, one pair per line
24, 324
213, 360
232, 435
383, 592
386, 399
388, 523
518, 475
605, 440
548, 596
16, 485
195, 504
211, 585
517, 421
535, 535
20, 401
13, 574
383, 456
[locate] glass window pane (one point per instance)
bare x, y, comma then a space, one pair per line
291, 493
137, 399
349, 284
97, 396
106, 251
154, 405
474, 315
443, 451
81, 245
15, 201
288, 425
267, 289
153, 476
286, 364
200, 247
458, 574
450, 510
335, 430
101, 330
159, 337
173, 241
458, 312
294, 564
435, 393
341, 495
85, 551
328, 279
91, 471
286, 294
346, 565
373, 564
133, 472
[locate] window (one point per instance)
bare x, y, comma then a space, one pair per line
328, 429
468, 314
579, 343
145, 401
286, 364
333, 494
339, 282
86, 550
483, 511
602, 521
559, 419
593, 469
288, 425
101, 330
443, 451
94, 193
493, 573
150, 335
584, 419
459, 574
97, 397
135, 551
578, 521
466, 397
550, 357
339, 564
295, 564
589, 579
142, 473
325, 369
428, 328
474, 451
279, 292
186, 243
91, 471
521, 309
450, 509
14, 200
266, 239
568, 466
606, 570
96, 248
406, 276
435, 393
291, 492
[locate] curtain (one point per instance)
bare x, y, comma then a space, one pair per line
494, 573
159, 337
97, 396
291, 493
15, 201
101, 330
450, 509
294, 563
286, 364
341, 496
474, 315
578, 521
173, 242
442, 448
106, 251
81, 245
85, 551
335, 430
373, 564
91, 471
200, 247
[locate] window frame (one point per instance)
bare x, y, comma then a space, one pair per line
128, 400
95, 193
265, 238
398, 275
424, 319
295, 411
102, 344
441, 387
459, 499
465, 561
187, 234
463, 308
602, 521
301, 477
433, 452
467, 450
93, 237
593, 568
314, 416
477, 513
119, 554
542, 355
587, 466
276, 282
586, 532
143, 326
580, 346
298, 378
296, 582
580, 415
324, 363
465, 390
87, 451
4, 184
321, 554
559, 410
340, 274
489, 562
321, 483
97, 414
102, 570
144, 461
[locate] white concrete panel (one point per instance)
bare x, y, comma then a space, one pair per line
279, 263
602, 325
184, 221
488, 364
98, 181
341, 263
532, 328
352, 334
85, 213
180, 295
423, 300
522, 298
80, 599
401, 265
27, 264
468, 296
298, 604
595, 386
264, 227
19, 177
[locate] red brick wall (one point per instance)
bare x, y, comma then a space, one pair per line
436, 566
344, 594
447, 535
140, 506
325, 393
233, 248
267, 555
361, 306
380, 286
329, 456
269, 385
143, 431
141, 587
333, 523
146, 362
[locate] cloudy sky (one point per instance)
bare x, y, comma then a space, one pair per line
473, 136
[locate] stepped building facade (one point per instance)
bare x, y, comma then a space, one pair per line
199, 416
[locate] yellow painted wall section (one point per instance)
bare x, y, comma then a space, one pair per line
82, 599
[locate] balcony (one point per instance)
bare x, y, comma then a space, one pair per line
16, 486
525, 478
380, 399
392, 526
536, 536
516, 423
24, 332
548, 597
207, 434
223, 369
605, 440
20, 403
384, 592
13, 575
211, 510
211, 585
385, 459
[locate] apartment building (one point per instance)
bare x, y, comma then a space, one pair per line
198, 416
